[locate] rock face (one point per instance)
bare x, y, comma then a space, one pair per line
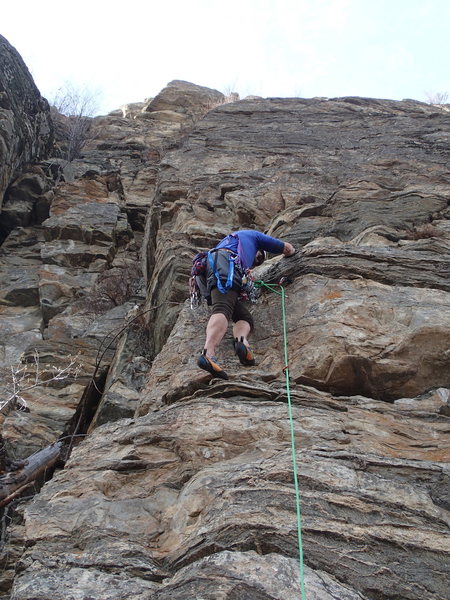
26, 131
182, 486
181, 100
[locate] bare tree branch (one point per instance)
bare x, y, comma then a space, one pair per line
22, 381
75, 108
437, 97
14, 483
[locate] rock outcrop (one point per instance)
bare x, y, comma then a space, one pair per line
26, 130
181, 102
180, 486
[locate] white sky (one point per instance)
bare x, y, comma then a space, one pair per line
129, 50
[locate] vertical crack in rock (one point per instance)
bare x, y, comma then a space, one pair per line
86, 410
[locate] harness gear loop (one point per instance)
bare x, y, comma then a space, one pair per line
273, 288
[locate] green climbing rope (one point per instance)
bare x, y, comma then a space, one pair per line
276, 288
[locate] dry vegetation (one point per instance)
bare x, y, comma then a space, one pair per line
427, 230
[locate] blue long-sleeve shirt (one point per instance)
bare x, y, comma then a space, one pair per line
247, 242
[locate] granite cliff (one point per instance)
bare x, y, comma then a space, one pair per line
170, 485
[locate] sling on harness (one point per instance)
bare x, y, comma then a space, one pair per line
197, 281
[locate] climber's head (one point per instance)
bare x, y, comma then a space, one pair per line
260, 257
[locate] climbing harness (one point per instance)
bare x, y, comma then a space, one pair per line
225, 272
279, 289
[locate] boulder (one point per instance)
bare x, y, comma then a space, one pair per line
186, 99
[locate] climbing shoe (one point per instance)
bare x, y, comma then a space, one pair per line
244, 353
210, 365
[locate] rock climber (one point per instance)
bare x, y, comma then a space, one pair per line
246, 249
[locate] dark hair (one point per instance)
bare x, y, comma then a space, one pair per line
260, 257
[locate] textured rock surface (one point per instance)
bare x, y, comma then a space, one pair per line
353, 171
191, 495
181, 101
213, 472
26, 131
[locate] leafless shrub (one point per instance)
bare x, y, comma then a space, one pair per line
77, 107
113, 288
228, 97
437, 97
21, 378
74, 101
427, 230
17, 381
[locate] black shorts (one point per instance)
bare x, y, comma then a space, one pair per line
229, 305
